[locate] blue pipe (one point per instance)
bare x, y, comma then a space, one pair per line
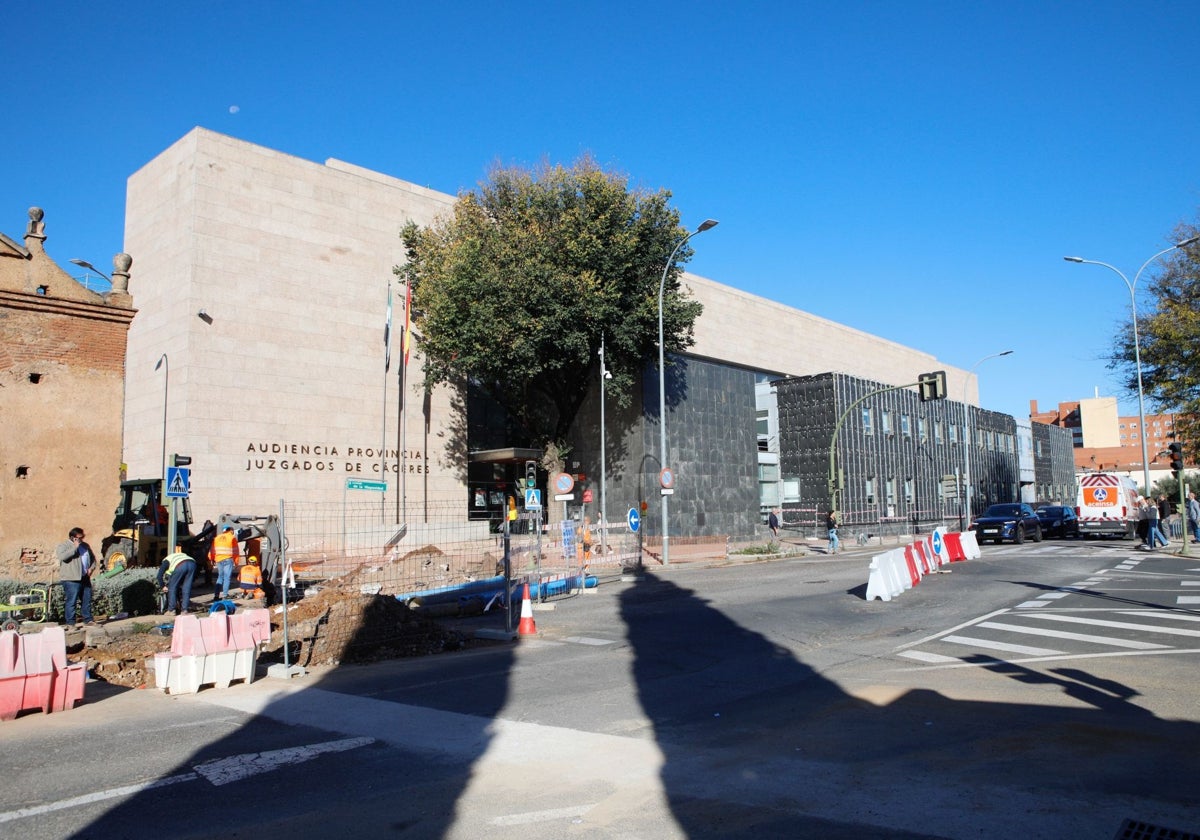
488, 588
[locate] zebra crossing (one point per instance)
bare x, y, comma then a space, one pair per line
1127, 608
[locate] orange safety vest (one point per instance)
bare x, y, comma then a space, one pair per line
224, 547
250, 577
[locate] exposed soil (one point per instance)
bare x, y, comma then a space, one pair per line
338, 624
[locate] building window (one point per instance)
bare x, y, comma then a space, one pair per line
905, 428
908, 491
937, 432
953, 432
867, 422
869, 487
891, 492
920, 430
791, 490
885, 422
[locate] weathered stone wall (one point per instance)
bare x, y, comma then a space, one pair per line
62, 353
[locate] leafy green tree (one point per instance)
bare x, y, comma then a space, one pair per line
1169, 332
513, 289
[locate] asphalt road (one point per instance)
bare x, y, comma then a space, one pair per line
1044, 690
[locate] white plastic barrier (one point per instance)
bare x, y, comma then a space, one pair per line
215, 650
893, 572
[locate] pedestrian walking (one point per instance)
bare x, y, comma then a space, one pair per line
1153, 535
76, 560
1193, 516
831, 527
773, 522
1166, 514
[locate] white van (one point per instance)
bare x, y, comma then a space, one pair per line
1106, 505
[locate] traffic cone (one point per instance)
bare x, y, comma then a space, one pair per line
527, 627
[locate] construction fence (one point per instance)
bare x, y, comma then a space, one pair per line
442, 564
867, 526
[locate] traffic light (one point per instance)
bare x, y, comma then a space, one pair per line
180, 460
932, 386
1176, 452
530, 475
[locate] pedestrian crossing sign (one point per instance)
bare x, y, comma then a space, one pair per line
178, 482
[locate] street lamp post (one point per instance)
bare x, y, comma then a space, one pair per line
1137, 349
662, 381
967, 436
92, 268
604, 375
163, 360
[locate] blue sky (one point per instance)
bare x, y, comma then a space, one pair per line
916, 170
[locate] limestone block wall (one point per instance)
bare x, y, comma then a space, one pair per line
265, 282
744, 329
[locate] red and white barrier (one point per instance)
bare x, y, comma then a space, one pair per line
900, 569
34, 673
214, 650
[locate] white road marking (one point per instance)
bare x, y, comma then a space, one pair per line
935, 636
588, 640
531, 817
1121, 625
1079, 637
1031, 604
1188, 599
220, 771
223, 771
987, 644
1172, 616
922, 656
90, 798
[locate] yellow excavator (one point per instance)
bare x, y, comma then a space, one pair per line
139, 530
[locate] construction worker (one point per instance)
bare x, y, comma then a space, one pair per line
250, 579
586, 542
222, 555
175, 578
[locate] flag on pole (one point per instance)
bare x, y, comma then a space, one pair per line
405, 339
387, 334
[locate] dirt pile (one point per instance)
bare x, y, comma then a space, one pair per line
338, 626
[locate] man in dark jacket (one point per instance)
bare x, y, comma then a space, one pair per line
76, 560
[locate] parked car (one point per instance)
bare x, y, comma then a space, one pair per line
1058, 521
1008, 522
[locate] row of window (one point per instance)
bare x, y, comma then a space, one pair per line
995, 441
774, 492
1156, 424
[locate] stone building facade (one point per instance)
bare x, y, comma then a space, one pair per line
265, 278
62, 376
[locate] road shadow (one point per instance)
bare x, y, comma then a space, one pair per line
356, 735
730, 691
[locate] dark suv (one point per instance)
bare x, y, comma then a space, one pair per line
1058, 521
1008, 522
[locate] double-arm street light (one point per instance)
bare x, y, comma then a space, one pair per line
1137, 349
662, 380
967, 435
